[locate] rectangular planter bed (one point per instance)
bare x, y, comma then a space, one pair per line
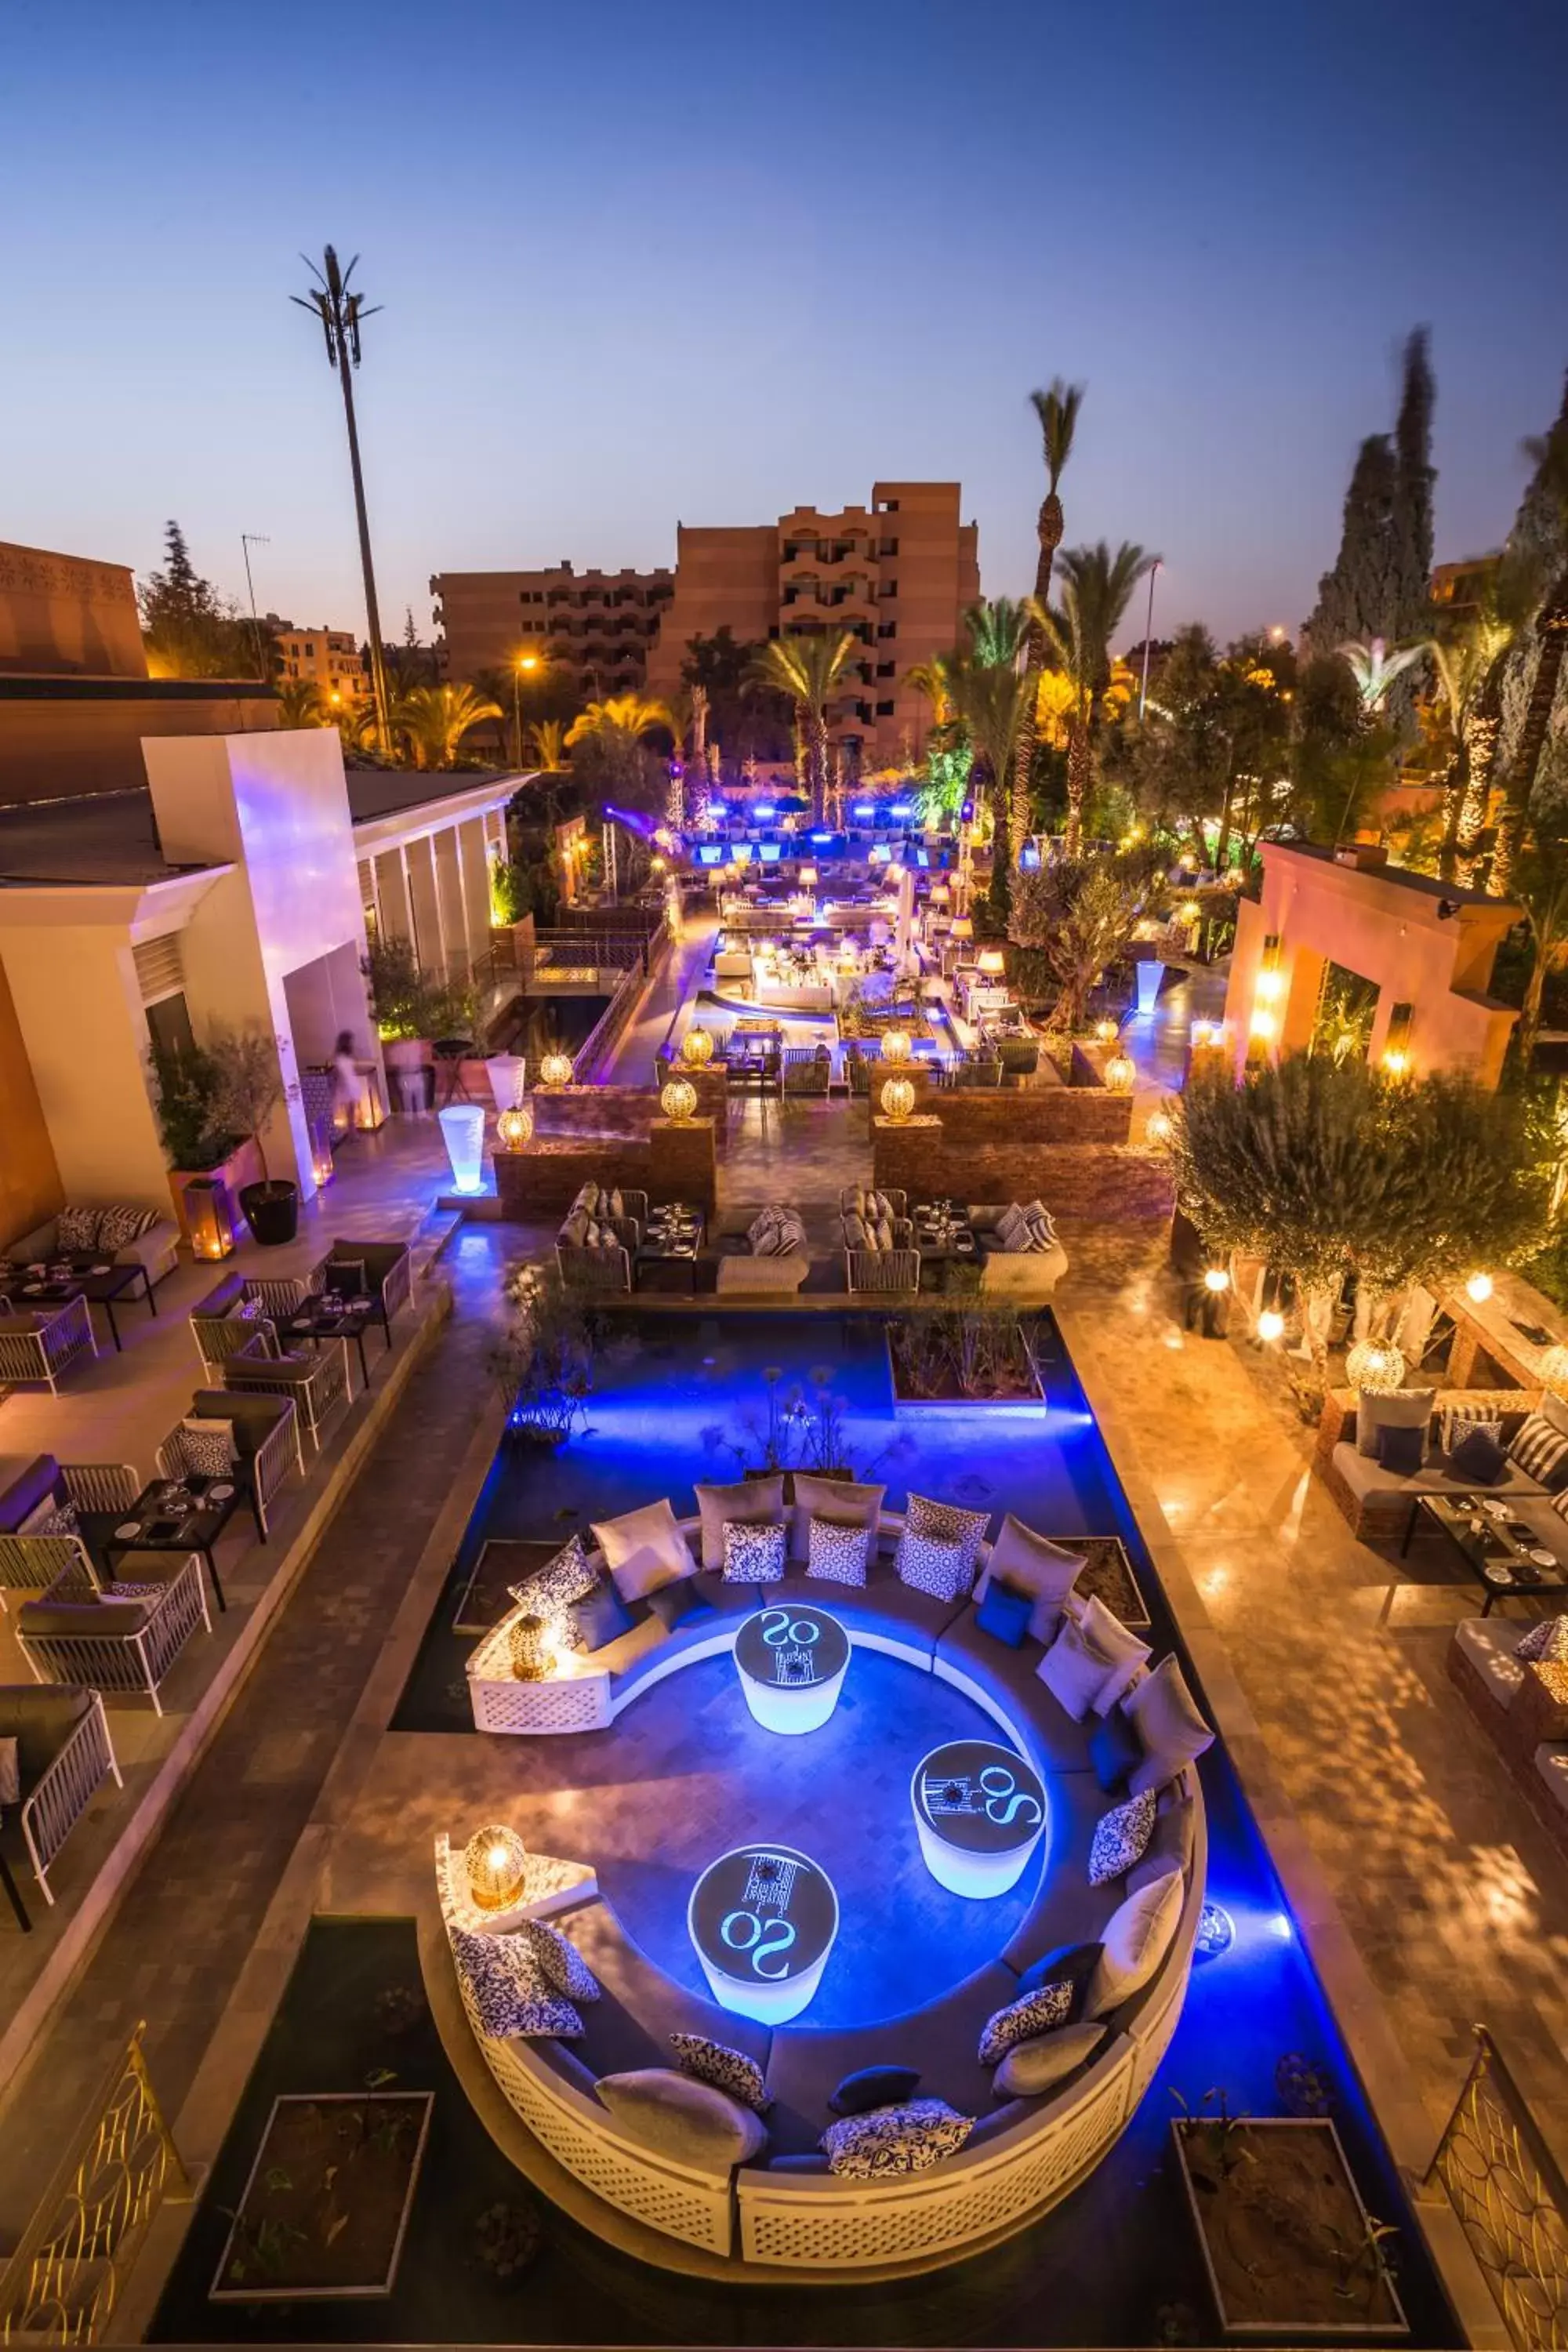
1284, 2233
326, 2206
1029, 1403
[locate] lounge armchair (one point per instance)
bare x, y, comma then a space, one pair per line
894, 1269
40, 1350
156, 1250
318, 1383
807, 1069
386, 1274
221, 1329
120, 1645
65, 1753
267, 1438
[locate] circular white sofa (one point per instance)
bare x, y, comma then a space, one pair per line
785, 2212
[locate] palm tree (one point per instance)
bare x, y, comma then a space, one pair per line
432, 721
808, 668
1097, 588
635, 715
933, 679
1375, 669
1462, 669
998, 630
1550, 458
1057, 412
548, 737
990, 701
300, 704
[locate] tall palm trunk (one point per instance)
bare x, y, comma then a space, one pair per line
1079, 770
1552, 630
1222, 845
1020, 806
1481, 726
1530, 1013
814, 735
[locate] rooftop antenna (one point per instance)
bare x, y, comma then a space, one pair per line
247, 539
342, 313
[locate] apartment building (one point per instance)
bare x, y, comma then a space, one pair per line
898, 573
595, 627
328, 658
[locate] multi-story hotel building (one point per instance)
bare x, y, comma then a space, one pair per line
898, 573
594, 626
328, 658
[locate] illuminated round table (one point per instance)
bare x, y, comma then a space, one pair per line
981, 1812
762, 1920
791, 1663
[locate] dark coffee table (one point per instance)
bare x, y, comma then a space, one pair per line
668, 1253
100, 1281
319, 1320
1499, 1547
156, 1523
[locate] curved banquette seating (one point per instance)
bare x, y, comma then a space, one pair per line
786, 2209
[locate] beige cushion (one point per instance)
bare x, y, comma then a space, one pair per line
1033, 2067
830, 1498
1074, 1668
1109, 1635
1164, 1714
1136, 1938
644, 1549
691, 2121
1030, 1563
1405, 1409
752, 1503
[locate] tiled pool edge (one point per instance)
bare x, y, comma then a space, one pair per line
1408, 2129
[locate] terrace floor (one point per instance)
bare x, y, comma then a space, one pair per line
1451, 1894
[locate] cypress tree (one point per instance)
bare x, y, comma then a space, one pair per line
1415, 478
1380, 582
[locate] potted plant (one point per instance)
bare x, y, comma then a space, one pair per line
186, 1097
407, 1003
249, 1089
1291, 2253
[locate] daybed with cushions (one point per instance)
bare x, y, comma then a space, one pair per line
1073, 1690
1020, 1255
1366, 1472
768, 1254
122, 1233
1511, 1675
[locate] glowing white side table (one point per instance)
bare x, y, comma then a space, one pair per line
981, 1812
791, 1663
762, 1920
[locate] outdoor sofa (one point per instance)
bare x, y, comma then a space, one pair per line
1377, 1501
75, 1232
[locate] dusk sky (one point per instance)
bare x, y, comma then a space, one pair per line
703, 262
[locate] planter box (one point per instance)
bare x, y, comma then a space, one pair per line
300, 2235
905, 1403
1270, 2230
242, 1166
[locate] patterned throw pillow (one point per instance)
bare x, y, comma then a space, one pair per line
909, 2139
1546, 1644
1540, 1451
120, 1227
1013, 1227
753, 1555
927, 1564
946, 1521
509, 2001
837, 1554
206, 1448
1458, 1420
76, 1229
550, 1590
52, 1518
726, 2069
554, 1958
1121, 1838
1037, 2012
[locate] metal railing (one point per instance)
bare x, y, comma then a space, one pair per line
1512, 2199
62, 2284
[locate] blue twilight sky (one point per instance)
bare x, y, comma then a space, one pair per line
699, 261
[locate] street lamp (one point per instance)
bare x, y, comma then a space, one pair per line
1148, 638
342, 313
524, 662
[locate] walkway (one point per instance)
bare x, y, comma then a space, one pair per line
630, 1064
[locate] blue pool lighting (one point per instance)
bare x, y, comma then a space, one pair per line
769, 851
764, 808
707, 854
822, 836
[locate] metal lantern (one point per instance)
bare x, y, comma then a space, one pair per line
1374, 1367
1159, 1128
555, 1070
1121, 1073
897, 1099
695, 1048
679, 1101
209, 1217
897, 1045
1107, 1031
496, 1860
531, 1650
514, 1128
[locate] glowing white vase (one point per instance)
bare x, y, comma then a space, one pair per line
463, 1133
1148, 976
